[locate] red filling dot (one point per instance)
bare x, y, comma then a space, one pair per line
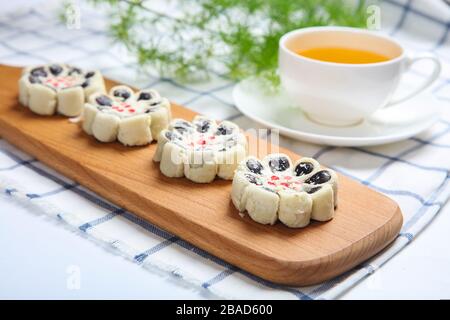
131, 110
288, 178
271, 183
275, 178
285, 184
201, 142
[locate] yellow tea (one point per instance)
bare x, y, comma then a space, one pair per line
343, 55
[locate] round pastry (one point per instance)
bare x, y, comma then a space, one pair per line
58, 88
201, 149
133, 118
276, 188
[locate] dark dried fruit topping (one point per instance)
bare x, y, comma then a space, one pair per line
180, 129
144, 96
279, 164
254, 166
203, 126
303, 168
104, 100
182, 126
122, 93
169, 135
33, 79
85, 84
252, 179
312, 190
224, 130
319, 177
39, 72
75, 70
90, 74
55, 69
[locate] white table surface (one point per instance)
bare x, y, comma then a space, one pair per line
35, 259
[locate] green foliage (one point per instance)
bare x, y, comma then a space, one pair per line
238, 38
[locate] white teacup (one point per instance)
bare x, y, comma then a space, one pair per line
342, 94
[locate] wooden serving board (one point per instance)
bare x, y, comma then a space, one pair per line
202, 214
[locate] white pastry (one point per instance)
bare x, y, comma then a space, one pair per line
134, 119
58, 88
276, 189
200, 150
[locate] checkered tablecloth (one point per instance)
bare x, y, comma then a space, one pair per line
414, 172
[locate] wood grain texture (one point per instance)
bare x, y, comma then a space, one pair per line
365, 222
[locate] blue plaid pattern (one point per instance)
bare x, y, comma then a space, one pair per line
35, 36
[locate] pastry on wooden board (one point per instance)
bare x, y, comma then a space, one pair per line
58, 88
365, 223
269, 190
278, 189
132, 118
200, 150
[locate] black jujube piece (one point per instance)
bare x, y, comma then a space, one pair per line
203, 126
252, 179
319, 177
33, 79
254, 166
180, 129
312, 190
223, 130
74, 70
104, 101
39, 72
144, 96
55, 69
181, 126
90, 74
169, 135
303, 168
279, 164
123, 93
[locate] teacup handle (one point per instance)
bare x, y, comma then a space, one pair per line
433, 76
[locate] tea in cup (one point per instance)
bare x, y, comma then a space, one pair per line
340, 76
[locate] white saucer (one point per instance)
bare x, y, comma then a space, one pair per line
385, 126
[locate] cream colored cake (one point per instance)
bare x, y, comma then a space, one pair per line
133, 118
278, 189
58, 88
200, 150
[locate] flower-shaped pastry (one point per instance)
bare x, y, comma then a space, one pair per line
58, 88
275, 188
200, 149
133, 118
